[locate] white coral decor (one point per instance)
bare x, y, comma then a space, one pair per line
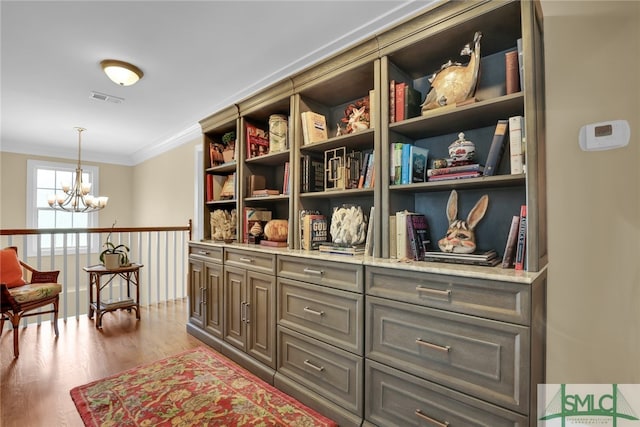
348, 226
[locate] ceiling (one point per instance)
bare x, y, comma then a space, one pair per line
197, 57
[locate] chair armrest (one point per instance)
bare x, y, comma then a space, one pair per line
41, 276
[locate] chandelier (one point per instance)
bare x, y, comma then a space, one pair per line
76, 198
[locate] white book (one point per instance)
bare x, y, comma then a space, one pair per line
515, 144
402, 242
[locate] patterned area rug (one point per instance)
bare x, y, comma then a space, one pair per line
194, 388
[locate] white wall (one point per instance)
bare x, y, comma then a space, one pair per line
592, 75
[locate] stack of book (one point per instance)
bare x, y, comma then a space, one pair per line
487, 258
460, 171
312, 176
404, 101
331, 248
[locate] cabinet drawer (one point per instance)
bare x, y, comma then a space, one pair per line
484, 358
256, 261
206, 252
330, 315
334, 274
395, 398
510, 302
327, 370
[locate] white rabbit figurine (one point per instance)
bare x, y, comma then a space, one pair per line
460, 237
355, 124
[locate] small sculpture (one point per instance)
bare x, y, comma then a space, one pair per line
356, 116
460, 237
348, 226
277, 230
455, 82
461, 149
223, 225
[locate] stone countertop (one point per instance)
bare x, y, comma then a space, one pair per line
462, 270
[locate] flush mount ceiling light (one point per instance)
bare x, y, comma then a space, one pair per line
120, 72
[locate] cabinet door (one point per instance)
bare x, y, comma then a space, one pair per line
213, 298
261, 318
196, 312
235, 306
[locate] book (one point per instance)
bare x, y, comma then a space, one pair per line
312, 176
393, 246
286, 178
497, 148
363, 171
455, 175
257, 141
342, 250
315, 231
471, 167
405, 163
209, 188
303, 213
419, 158
368, 244
482, 258
521, 245
369, 178
399, 101
515, 144
412, 101
512, 72
314, 127
392, 101
403, 249
265, 192
395, 151
510, 245
520, 62
418, 235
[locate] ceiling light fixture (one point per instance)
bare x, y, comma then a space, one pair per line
77, 198
120, 72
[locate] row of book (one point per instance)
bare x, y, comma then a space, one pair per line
404, 101
408, 163
516, 245
409, 235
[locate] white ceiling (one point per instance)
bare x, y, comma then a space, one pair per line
197, 57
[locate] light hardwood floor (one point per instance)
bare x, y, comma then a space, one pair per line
34, 388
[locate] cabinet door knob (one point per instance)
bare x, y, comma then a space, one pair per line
433, 421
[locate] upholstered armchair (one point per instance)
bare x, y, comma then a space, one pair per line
20, 298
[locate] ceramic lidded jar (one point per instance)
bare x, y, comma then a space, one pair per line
461, 149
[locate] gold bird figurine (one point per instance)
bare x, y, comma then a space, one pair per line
455, 82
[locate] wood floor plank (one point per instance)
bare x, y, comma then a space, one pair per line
34, 388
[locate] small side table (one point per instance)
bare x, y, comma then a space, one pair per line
131, 274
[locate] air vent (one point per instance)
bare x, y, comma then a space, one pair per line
106, 98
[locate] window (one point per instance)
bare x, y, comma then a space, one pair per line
45, 179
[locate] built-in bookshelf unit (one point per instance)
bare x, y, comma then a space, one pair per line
373, 340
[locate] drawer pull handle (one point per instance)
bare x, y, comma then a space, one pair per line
311, 365
246, 312
312, 311
246, 260
314, 272
243, 312
445, 348
422, 415
203, 252
434, 291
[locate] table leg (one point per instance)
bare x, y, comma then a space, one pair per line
91, 283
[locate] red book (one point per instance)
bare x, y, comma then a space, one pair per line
512, 70
392, 101
401, 87
209, 188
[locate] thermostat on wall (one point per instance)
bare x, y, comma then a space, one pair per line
604, 135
